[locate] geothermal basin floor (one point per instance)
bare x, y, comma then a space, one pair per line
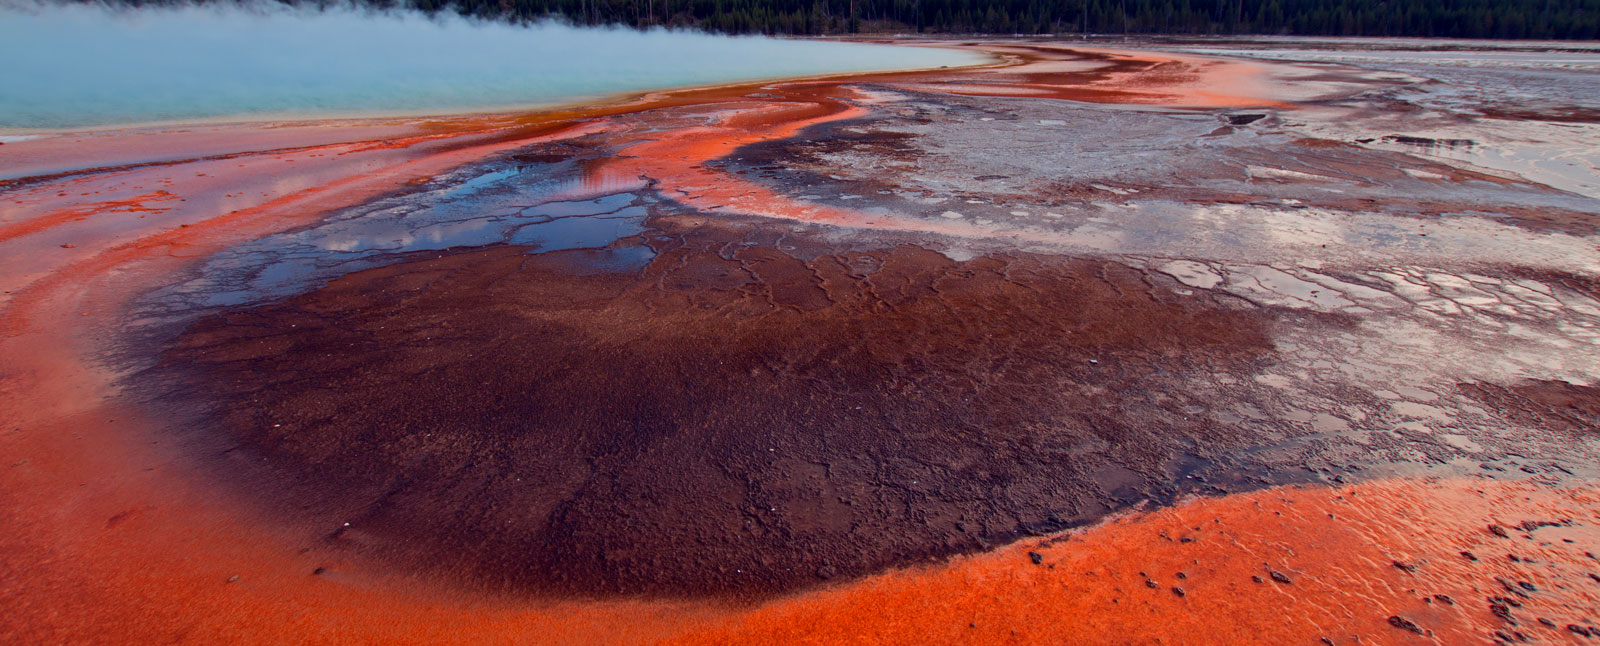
1091, 344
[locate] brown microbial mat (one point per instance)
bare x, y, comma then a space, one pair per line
746, 412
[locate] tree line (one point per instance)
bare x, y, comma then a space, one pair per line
1545, 19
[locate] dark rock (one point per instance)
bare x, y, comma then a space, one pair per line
1427, 141
1512, 588
1404, 624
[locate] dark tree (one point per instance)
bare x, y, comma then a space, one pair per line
1543, 19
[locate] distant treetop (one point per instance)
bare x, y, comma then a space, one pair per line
1543, 19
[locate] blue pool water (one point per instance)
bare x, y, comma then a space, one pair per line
82, 65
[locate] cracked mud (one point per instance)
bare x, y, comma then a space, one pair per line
735, 416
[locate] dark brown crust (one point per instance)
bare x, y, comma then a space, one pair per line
1549, 404
731, 419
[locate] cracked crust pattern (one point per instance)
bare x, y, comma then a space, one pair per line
730, 418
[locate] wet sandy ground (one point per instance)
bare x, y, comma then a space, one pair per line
1088, 345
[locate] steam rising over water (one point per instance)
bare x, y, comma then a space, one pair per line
68, 66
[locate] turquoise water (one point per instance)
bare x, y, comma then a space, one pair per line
80, 65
